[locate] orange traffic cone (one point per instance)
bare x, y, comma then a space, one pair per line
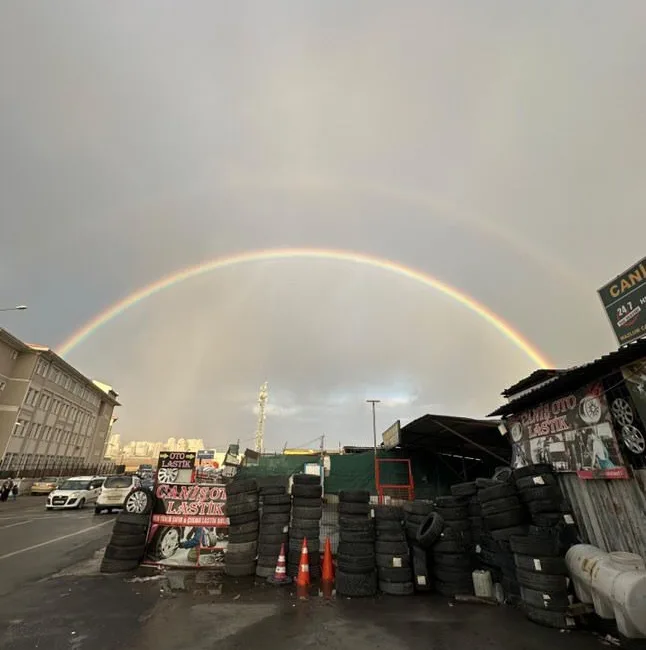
303, 578
280, 576
328, 566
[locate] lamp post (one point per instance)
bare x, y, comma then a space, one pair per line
374, 402
16, 308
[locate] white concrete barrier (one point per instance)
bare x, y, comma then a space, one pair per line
614, 583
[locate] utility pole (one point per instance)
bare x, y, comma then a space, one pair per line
322, 464
374, 402
260, 430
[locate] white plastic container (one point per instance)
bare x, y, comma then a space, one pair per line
482, 584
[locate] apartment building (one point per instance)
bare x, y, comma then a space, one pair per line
51, 415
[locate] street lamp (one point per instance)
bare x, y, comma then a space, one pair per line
16, 308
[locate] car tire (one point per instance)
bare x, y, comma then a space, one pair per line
139, 502
98, 511
81, 504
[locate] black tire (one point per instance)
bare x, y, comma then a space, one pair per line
356, 536
128, 540
543, 493
397, 588
242, 508
503, 474
303, 502
238, 570
554, 566
550, 601
247, 518
355, 549
391, 535
130, 553
475, 509
453, 514
421, 508
356, 563
500, 491
500, 505
451, 575
534, 545
389, 513
542, 506
240, 486
307, 491
355, 523
356, 585
354, 496
307, 513
272, 490
387, 526
242, 529
449, 546
532, 470
541, 581
306, 479
352, 508
298, 532
276, 518
458, 525
118, 566
276, 510
507, 519
242, 538
244, 548
450, 502
482, 483
264, 571
273, 539
390, 574
243, 498
556, 620
548, 519
279, 499
430, 530
273, 529
464, 489
505, 534
452, 561
133, 519
391, 548
540, 480
389, 561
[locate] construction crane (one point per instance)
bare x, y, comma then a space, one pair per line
262, 405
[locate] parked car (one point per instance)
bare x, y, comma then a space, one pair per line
75, 492
114, 492
46, 485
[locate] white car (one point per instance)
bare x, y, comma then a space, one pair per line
114, 491
75, 492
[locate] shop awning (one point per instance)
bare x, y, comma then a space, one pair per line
574, 378
447, 434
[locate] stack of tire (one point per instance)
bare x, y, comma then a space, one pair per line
356, 573
452, 556
274, 527
306, 512
394, 569
242, 510
543, 577
415, 513
127, 545
469, 492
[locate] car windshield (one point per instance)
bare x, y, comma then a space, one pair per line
117, 482
75, 485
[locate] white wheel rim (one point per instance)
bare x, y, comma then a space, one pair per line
169, 543
167, 474
633, 439
136, 503
622, 412
590, 410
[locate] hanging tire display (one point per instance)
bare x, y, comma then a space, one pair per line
167, 474
590, 409
633, 439
622, 412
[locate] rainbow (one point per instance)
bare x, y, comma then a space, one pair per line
173, 279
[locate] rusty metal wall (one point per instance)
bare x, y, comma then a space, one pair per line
610, 514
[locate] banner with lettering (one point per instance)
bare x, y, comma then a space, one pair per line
189, 527
573, 433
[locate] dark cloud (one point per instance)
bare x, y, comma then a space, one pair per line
498, 147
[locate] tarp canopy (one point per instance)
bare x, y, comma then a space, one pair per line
459, 436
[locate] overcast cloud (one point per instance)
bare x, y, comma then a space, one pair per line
498, 146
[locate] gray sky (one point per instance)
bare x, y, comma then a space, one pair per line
498, 146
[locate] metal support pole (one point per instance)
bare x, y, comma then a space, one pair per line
374, 402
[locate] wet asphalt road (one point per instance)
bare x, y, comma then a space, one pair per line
53, 597
35, 544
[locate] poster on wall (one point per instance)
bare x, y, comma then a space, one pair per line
189, 526
176, 467
573, 433
633, 424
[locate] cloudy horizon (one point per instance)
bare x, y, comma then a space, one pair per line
495, 146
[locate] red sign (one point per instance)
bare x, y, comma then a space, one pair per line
190, 505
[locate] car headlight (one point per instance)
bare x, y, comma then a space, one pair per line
74, 495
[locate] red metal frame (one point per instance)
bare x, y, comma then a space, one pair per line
409, 487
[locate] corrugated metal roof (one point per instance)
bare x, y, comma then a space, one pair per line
537, 377
575, 378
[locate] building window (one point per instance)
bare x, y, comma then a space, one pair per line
53, 374
68, 383
36, 432
42, 367
19, 429
32, 397
56, 407
73, 413
64, 410
45, 401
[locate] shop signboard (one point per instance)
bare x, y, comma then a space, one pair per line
189, 525
633, 425
176, 466
206, 454
624, 299
573, 433
391, 436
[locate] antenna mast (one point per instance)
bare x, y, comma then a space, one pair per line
262, 404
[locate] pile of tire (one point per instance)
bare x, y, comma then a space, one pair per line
543, 577
306, 513
469, 492
127, 545
356, 573
415, 513
394, 570
242, 510
275, 508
